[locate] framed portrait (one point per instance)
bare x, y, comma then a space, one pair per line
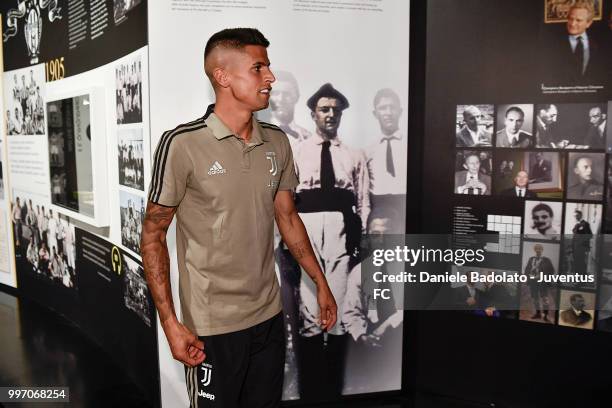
77, 175
545, 171
556, 11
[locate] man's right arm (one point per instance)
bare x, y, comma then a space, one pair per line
185, 346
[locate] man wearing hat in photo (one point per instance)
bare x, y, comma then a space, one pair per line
333, 202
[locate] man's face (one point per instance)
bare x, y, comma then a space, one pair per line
472, 119
282, 101
473, 164
584, 168
538, 250
327, 115
387, 112
541, 220
578, 216
595, 116
514, 122
538, 156
521, 179
249, 75
578, 21
578, 303
549, 116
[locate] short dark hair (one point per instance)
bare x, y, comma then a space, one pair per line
515, 109
236, 38
576, 296
542, 207
577, 159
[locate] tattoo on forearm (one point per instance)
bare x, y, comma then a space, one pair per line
300, 249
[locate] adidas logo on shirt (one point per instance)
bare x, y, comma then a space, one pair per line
216, 169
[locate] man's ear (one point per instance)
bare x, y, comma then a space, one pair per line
221, 77
312, 115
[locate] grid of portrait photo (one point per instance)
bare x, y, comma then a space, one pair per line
548, 162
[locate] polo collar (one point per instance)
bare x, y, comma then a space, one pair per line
221, 131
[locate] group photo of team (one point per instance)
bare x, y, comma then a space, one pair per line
136, 291
132, 209
130, 158
46, 239
128, 91
370, 185
25, 102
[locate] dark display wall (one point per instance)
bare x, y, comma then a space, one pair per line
502, 63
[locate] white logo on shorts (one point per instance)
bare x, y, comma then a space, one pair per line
207, 375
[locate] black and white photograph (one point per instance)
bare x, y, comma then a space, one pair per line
585, 176
487, 299
577, 309
531, 174
122, 7
606, 259
132, 209
608, 129
514, 126
70, 156
604, 317
128, 90
538, 299
580, 241
130, 158
1, 178
473, 172
474, 125
136, 292
24, 96
571, 126
45, 238
608, 217
542, 220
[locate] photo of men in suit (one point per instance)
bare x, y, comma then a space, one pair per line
541, 169
471, 180
521, 187
474, 131
537, 298
542, 219
585, 177
577, 309
581, 252
573, 55
581, 243
512, 134
546, 119
604, 317
596, 135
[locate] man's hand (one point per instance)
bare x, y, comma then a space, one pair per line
184, 345
327, 306
369, 340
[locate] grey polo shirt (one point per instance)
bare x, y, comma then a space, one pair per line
224, 189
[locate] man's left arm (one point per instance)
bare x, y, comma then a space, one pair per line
295, 237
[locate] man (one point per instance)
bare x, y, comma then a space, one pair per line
546, 120
540, 291
576, 315
203, 170
334, 203
581, 243
576, 58
387, 162
283, 99
520, 189
375, 325
541, 170
512, 135
471, 181
596, 135
542, 216
586, 187
471, 134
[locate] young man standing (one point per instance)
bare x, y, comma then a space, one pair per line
227, 177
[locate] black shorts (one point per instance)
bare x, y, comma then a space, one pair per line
241, 369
